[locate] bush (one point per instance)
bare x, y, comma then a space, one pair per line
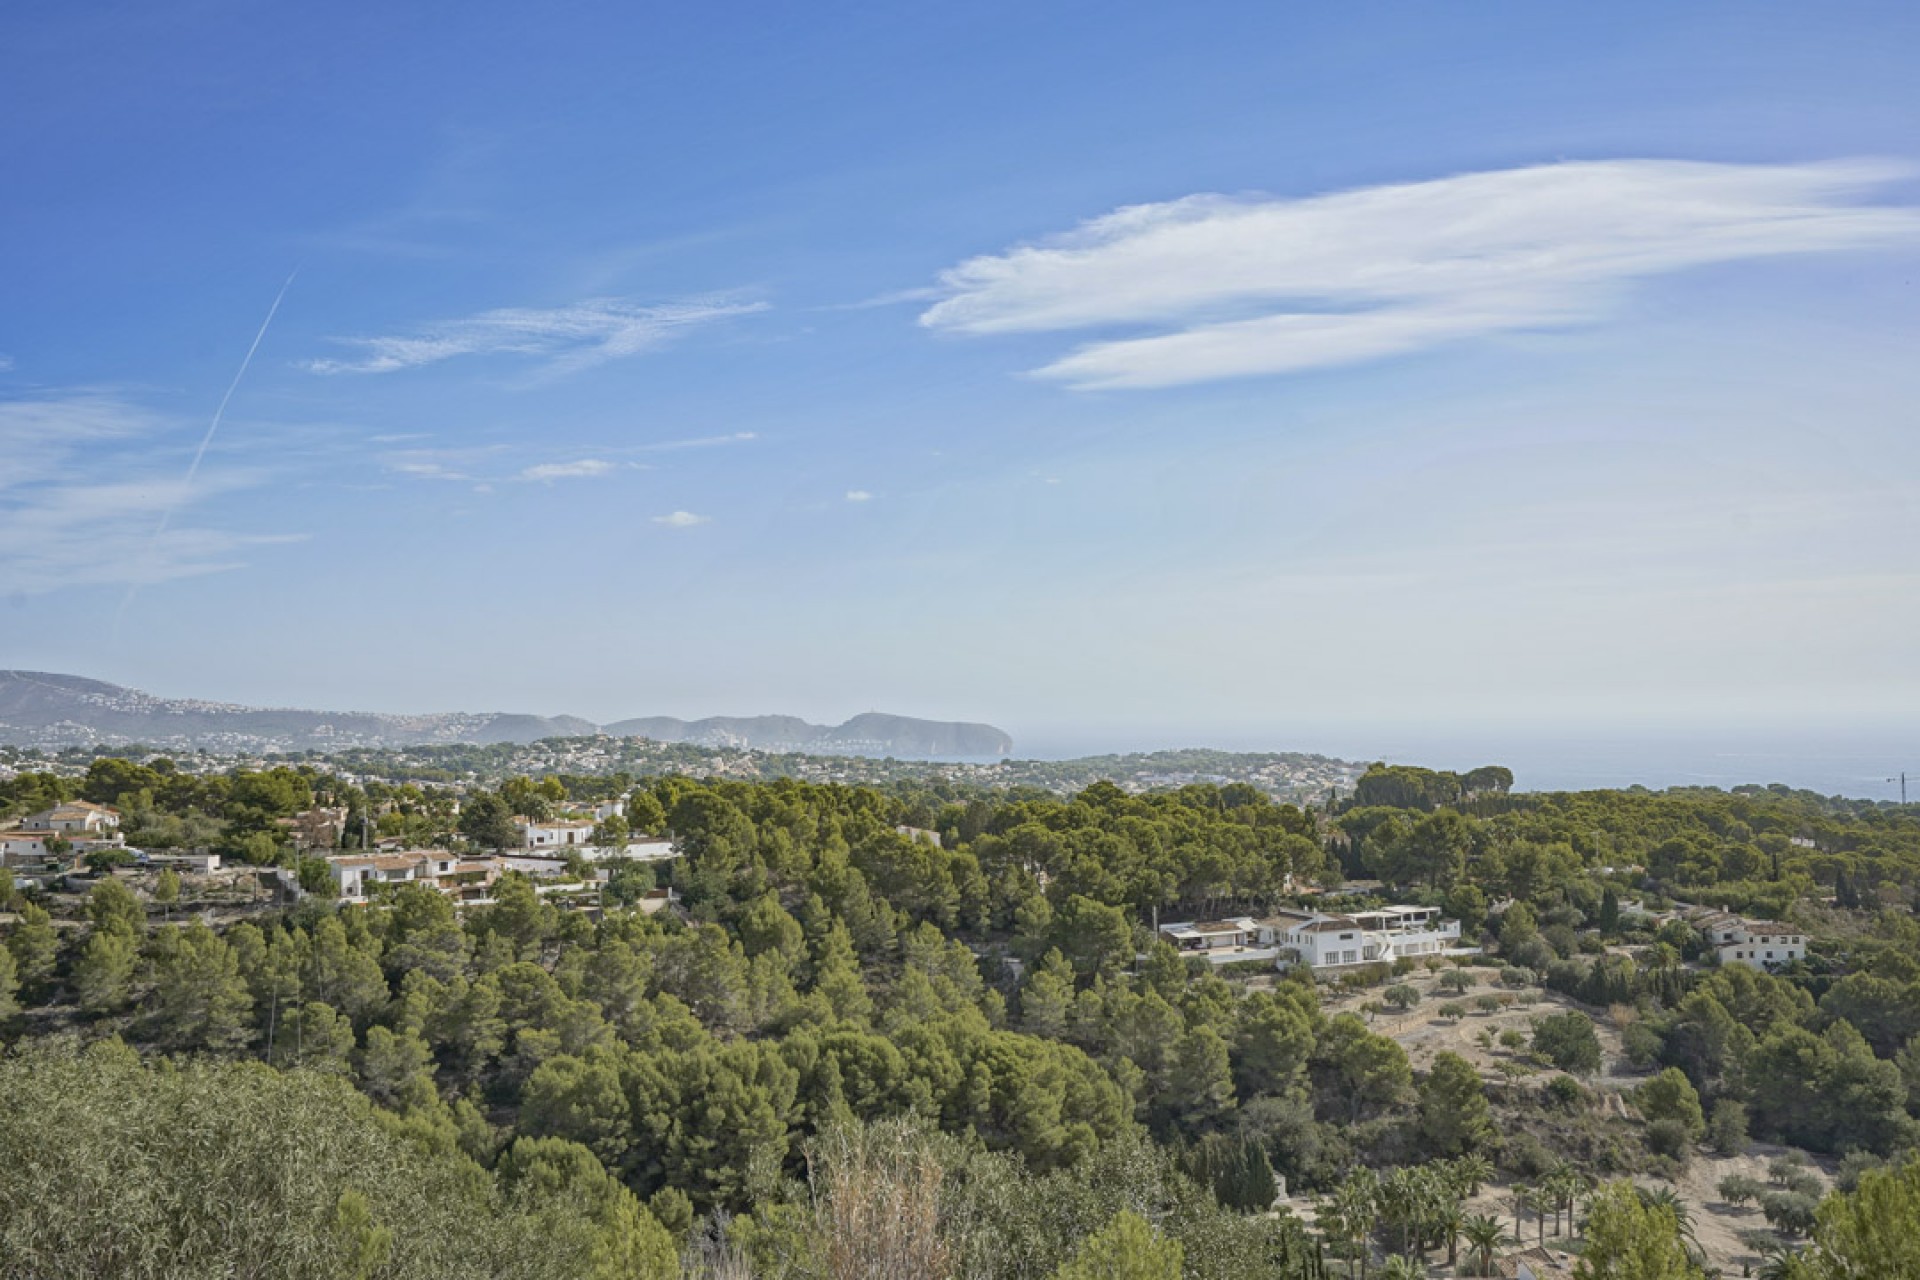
1790, 1211
1781, 1169
230, 1168
1740, 1190
1669, 1138
1852, 1165
1641, 1044
1453, 1009
1525, 1156
1487, 1004
1515, 976
1569, 1042
1727, 1128
1566, 1092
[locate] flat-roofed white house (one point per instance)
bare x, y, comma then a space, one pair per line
355, 874
24, 846
1756, 943
1221, 941
554, 833
1320, 940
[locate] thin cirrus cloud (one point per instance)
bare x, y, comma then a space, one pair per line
564, 338
681, 520
1221, 287
859, 495
584, 469
87, 477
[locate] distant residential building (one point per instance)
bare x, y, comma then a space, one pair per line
1757, 944
554, 833
354, 875
1221, 941
75, 816
30, 846
920, 834
1321, 940
605, 809
319, 828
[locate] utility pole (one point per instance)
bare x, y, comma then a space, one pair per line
1902, 780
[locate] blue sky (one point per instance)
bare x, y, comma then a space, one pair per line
1119, 374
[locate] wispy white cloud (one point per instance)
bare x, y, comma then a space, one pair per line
1226, 287
87, 477
859, 495
583, 469
681, 519
431, 463
565, 338
697, 442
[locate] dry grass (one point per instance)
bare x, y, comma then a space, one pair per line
877, 1204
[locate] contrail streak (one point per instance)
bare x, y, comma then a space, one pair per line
213, 428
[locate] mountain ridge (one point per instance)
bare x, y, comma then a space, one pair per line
51, 709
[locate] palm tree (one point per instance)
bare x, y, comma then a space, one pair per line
1472, 1171
1448, 1220
1348, 1216
1565, 1186
1401, 1267
1483, 1234
1666, 1198
1779, 1262
1537, 1201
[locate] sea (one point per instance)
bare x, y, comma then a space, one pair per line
1859, 764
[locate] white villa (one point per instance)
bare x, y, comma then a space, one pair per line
355, 874
554, 833
1758, 944
76, 817
1320, 940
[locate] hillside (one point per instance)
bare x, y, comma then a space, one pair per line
44, 709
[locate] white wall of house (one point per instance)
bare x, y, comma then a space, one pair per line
558, 834
67, 818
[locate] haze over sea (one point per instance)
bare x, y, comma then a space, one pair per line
1860, 763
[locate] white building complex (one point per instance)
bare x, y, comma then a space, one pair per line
1759, 944
1320, 940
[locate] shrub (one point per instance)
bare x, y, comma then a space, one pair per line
1739, 1190
1727, 1128
1670, 1096
1525, 1156
1852, 1165
1453, 1009
1641, 1044
1669, 1138
1789, 1211
1566, 1092
1515, 976
1569, 1041
1487, 1004
1781, 1169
